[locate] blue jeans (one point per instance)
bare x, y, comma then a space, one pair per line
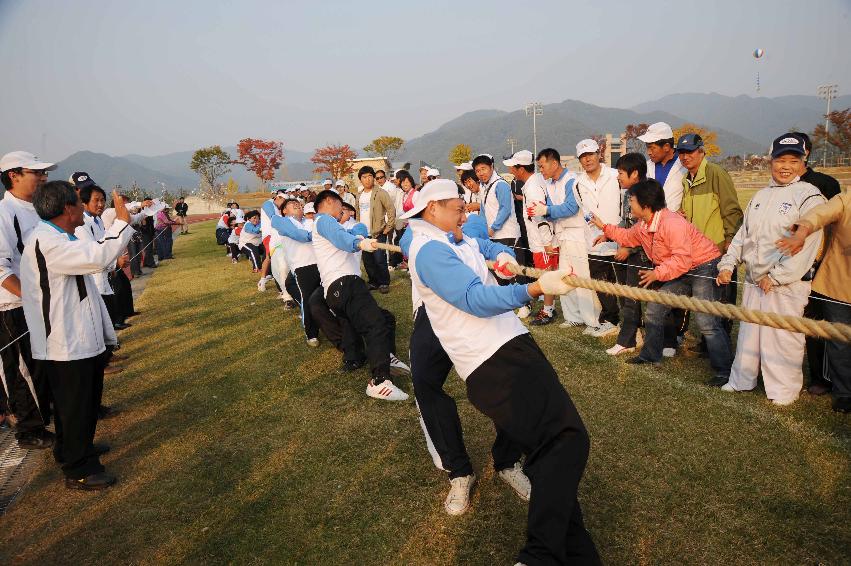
711, 327
838, 354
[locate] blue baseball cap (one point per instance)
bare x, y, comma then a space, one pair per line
689, 142
788, 143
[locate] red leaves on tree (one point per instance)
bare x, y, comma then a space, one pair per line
261, 157
335, 160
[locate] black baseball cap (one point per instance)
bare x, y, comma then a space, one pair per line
788, 143
81, 180
689, 142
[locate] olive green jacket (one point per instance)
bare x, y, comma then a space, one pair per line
710, 202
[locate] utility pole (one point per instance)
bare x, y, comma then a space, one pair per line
534, 109
827, 92
511, 141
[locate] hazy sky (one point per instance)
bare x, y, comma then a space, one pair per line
152, 77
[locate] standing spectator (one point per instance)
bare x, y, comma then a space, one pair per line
162, 226
831, 282
378, 213
778, 283
26, 391
149, 232
599, 194
347, 196
181, 209
829, 188
497, 203
685, 264
68, 322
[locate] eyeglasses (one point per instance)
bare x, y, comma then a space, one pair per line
36, 172
380, 178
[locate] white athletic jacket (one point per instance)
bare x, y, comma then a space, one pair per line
94, 231
603, 198
17, 220
539, 230
65, 313
768, 215
673, 186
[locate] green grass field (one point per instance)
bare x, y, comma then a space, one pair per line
238, 444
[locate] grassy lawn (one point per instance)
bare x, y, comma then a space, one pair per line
236, 443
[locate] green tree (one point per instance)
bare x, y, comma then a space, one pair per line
460, 153
385, 146
232, 187
210, 163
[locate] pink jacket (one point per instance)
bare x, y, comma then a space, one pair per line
673, 244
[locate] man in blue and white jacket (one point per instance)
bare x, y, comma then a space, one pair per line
508, 377
497, 203
348, 296
69, 325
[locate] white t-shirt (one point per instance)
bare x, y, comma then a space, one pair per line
364, 204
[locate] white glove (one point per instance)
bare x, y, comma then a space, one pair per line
500, 268
539, 209
368, 244
552, 282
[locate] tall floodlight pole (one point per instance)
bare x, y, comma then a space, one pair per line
511, 142
534, 109
827, 92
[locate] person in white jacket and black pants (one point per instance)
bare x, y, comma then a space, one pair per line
69, 325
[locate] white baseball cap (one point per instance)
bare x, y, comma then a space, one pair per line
326, 182
308, 208
426, 167
25, 160
587, 146
438, 189
432, 172
522, 157
466, 166
340, 183
657, 131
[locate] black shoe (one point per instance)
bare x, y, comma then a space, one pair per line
819, 389
105, 412
121, 325
542, 319
6, 425
352, 365
373, 287
35, 441
842, 404
638, 360
384, 289
100, 448
717, 381
289, 305
135, 313
93, 482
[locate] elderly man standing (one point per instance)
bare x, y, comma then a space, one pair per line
69, 326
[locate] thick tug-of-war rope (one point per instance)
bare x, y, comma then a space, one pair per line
815, 328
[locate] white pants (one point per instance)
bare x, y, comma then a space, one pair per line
778, 353
280, 269
580, 305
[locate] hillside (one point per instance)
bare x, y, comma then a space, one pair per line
561, 126
110, 171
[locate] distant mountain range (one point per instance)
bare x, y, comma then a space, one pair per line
744, 125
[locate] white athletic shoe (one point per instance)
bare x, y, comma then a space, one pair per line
524, 312
590, 330
571, 324
669, 352
518, 481
261, 285
398, 368
313, 342
606, 329
784, 402
385, 391
617, 350
728, 388
284, 296
458, 499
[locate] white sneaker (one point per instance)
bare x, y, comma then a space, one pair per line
606, 329
784, 402
284, 296
617, 350
313, 342
385, 391
398, 367
458, 499
590, 330
571, 324
518, 481
669, 352
728, 388
261, 285
524, 312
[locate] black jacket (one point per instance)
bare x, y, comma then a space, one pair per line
827, 185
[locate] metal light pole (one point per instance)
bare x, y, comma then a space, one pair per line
534, 109
827, 92
511, 142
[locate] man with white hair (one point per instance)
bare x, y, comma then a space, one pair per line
508, 378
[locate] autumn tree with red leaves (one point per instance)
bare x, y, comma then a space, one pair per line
261, 157
631, 133
839, 135
336, 160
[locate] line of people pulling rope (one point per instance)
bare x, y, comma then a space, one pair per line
464, 316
